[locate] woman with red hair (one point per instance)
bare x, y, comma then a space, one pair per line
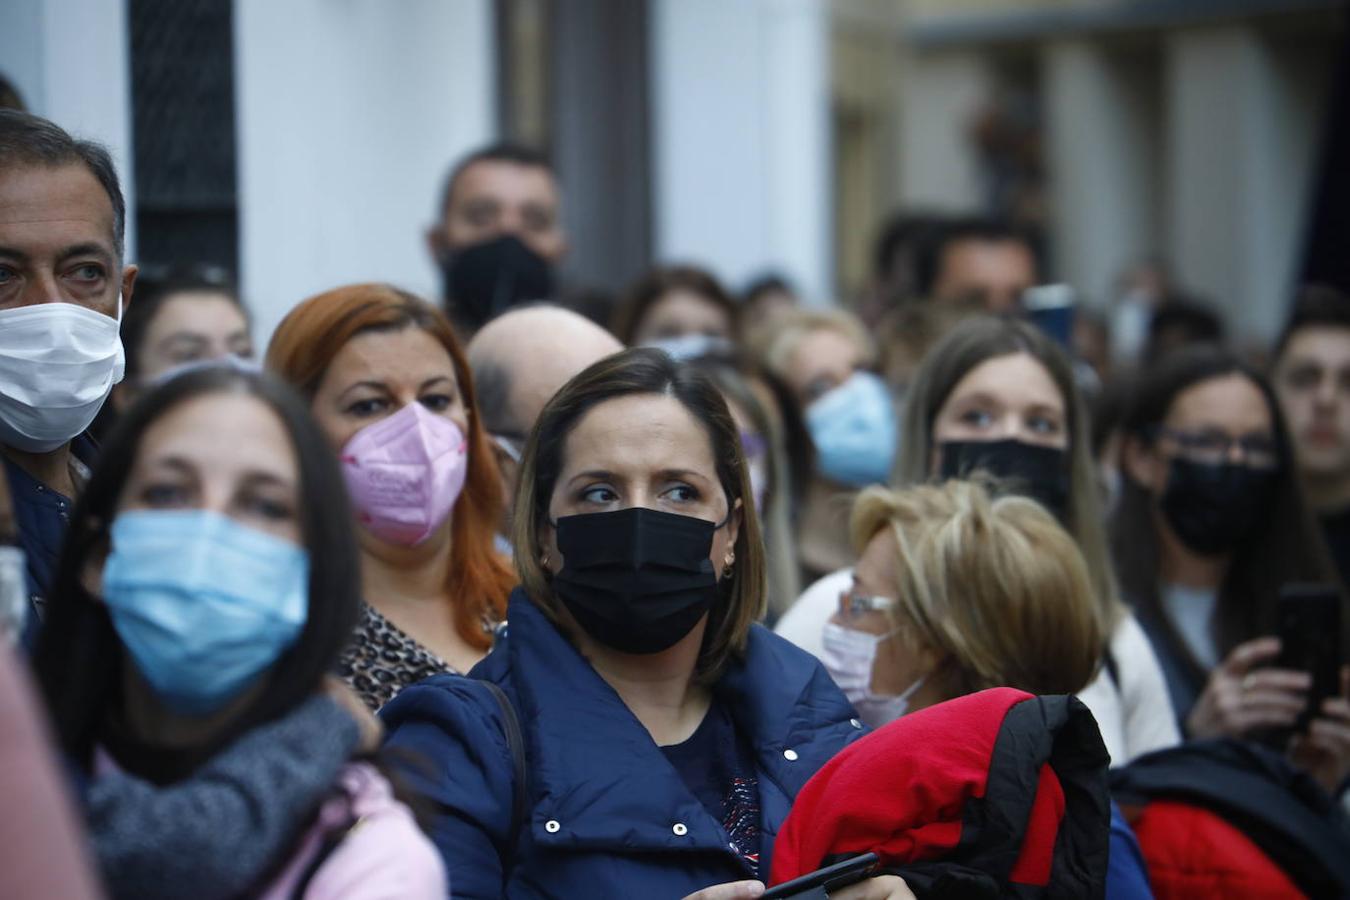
386, 379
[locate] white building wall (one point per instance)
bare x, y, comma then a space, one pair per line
740, 137
1104, 191
348, 115
1241, 137
940, 94
69, 60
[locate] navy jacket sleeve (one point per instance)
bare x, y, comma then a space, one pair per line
447, 737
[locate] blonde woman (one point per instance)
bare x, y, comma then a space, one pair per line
998, 396
955, 592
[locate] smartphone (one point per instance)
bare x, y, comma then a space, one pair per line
822, 881
1310, 641
1050, 307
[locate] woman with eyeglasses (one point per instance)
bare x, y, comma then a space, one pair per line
1210, 526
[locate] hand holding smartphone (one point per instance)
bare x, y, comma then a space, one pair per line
820, 882
1310, 641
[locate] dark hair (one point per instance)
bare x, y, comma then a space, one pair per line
1181, 321
930, 253
154, 288
9, 95
505, 152
905, 230
1315, 306
634, 372
29, 140
767, 283
1286, 548
79, 654
658, 282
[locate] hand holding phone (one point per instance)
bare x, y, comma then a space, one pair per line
1310, 641
820, 882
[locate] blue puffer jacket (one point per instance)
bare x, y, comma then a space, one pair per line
607, 815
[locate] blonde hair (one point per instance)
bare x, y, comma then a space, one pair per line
782, 339
995, 586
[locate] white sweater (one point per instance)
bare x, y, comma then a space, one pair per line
1135, 716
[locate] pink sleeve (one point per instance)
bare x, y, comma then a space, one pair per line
42, 848
385, 856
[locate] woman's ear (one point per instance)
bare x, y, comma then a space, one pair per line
1141, 463
734, 521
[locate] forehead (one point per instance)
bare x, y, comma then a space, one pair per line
48, 208
197, 311
1016, 378
505, 182
822, 344
1329, 345
222, 434
1227, 402
406, 354
641, 432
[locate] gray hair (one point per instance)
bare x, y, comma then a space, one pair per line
29, 140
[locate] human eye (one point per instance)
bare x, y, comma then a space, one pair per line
268, 507
683, 493
537, 219
437, 402
1303, 377
370, 406
88, 272
1048, 425
977, 417
163, 495
7, 275
598, 495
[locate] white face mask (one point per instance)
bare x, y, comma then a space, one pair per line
848, 656
58, 362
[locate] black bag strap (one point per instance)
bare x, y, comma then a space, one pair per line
520, 794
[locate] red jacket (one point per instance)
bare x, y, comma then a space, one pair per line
1000, 783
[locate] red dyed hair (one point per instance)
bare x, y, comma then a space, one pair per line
301, 351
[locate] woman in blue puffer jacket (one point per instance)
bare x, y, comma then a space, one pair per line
633, 729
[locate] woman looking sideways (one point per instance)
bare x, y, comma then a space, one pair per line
633, 729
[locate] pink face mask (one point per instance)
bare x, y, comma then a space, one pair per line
404, 473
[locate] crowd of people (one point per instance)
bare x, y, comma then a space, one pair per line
693, 593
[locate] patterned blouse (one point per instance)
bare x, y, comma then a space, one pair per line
383, 659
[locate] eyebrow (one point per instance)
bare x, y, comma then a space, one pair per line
85, 249
605, 474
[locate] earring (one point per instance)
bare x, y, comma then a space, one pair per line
543, 560
727, 565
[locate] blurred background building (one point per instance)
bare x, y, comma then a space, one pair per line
302, 143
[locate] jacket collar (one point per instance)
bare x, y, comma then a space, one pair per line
594, 769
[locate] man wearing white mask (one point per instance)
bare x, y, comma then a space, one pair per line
63, 287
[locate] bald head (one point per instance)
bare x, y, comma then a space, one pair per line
520, 359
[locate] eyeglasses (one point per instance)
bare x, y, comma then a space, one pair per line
1258, 451
851, 604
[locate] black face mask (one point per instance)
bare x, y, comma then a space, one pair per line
1214, 507
637, 580
1030, 470
485, 280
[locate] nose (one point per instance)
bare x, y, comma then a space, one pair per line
41, 287
1325, 393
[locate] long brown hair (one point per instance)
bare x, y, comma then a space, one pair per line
301, 351
633, 372
970, 344
1286, 548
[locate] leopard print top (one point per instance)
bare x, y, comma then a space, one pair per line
382, 659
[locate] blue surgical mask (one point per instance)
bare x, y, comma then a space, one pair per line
202, 604
854, 430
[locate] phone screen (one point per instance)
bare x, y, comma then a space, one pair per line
1310, 641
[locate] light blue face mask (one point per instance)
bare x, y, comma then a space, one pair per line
854, 429
202, 604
